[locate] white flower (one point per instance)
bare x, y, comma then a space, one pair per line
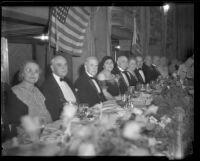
152, 141
162, 124
83, 132
152, 109
69, 111
30, 124
137, 111
86, 149
153, 120
135, 151
132, 130
164, 121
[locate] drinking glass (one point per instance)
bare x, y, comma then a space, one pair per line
131, 89
142, 87
83, 107
138, 86
124, 97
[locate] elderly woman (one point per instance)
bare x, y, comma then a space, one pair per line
26, 99
108, 80
163, 67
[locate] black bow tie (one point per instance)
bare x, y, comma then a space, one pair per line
139, 68
62, 79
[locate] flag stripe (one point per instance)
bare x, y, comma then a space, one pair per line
80, 10
86, 10
77, 12
64, 29
67, 48
71, 23
75, 16
68, 41
75, 21
64, 34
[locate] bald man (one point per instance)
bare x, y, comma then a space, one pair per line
121, 70
87, 87
57, 89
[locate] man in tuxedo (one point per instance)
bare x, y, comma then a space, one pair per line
139, 71
87, 87
155, 65
120, 70
57, 89
132, 78
150, 71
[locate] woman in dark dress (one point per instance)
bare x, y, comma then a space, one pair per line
108, 81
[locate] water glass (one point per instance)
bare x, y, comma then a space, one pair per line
131, 89
138, 86
142, 87
124, 97
83, 107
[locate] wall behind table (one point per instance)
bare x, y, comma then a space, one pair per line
18, 54
95, 43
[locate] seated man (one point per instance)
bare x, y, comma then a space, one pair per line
150, 71
132, 78
87, 87
57, 89
139, 71
120, 70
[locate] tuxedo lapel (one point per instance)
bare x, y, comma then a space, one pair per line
100, 95
57, 89
133, 78
139, 76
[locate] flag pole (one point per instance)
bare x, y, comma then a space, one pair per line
132, 40
48, 47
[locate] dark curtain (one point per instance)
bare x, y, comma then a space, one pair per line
185, 30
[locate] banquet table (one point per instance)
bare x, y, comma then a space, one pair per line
105, 131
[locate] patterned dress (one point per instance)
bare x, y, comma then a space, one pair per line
34, 100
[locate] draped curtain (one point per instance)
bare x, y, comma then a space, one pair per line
4, 61
185, 29
144, 29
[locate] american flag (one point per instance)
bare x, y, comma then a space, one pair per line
68, 27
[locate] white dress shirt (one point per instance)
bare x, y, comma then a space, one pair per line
95, 83
66, 90
142, 74
124, 76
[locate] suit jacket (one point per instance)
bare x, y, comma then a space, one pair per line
132, 80
122, 84
54, 98
140, 79
151, 73
87, 92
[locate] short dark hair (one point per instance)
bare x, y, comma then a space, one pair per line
101, 64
